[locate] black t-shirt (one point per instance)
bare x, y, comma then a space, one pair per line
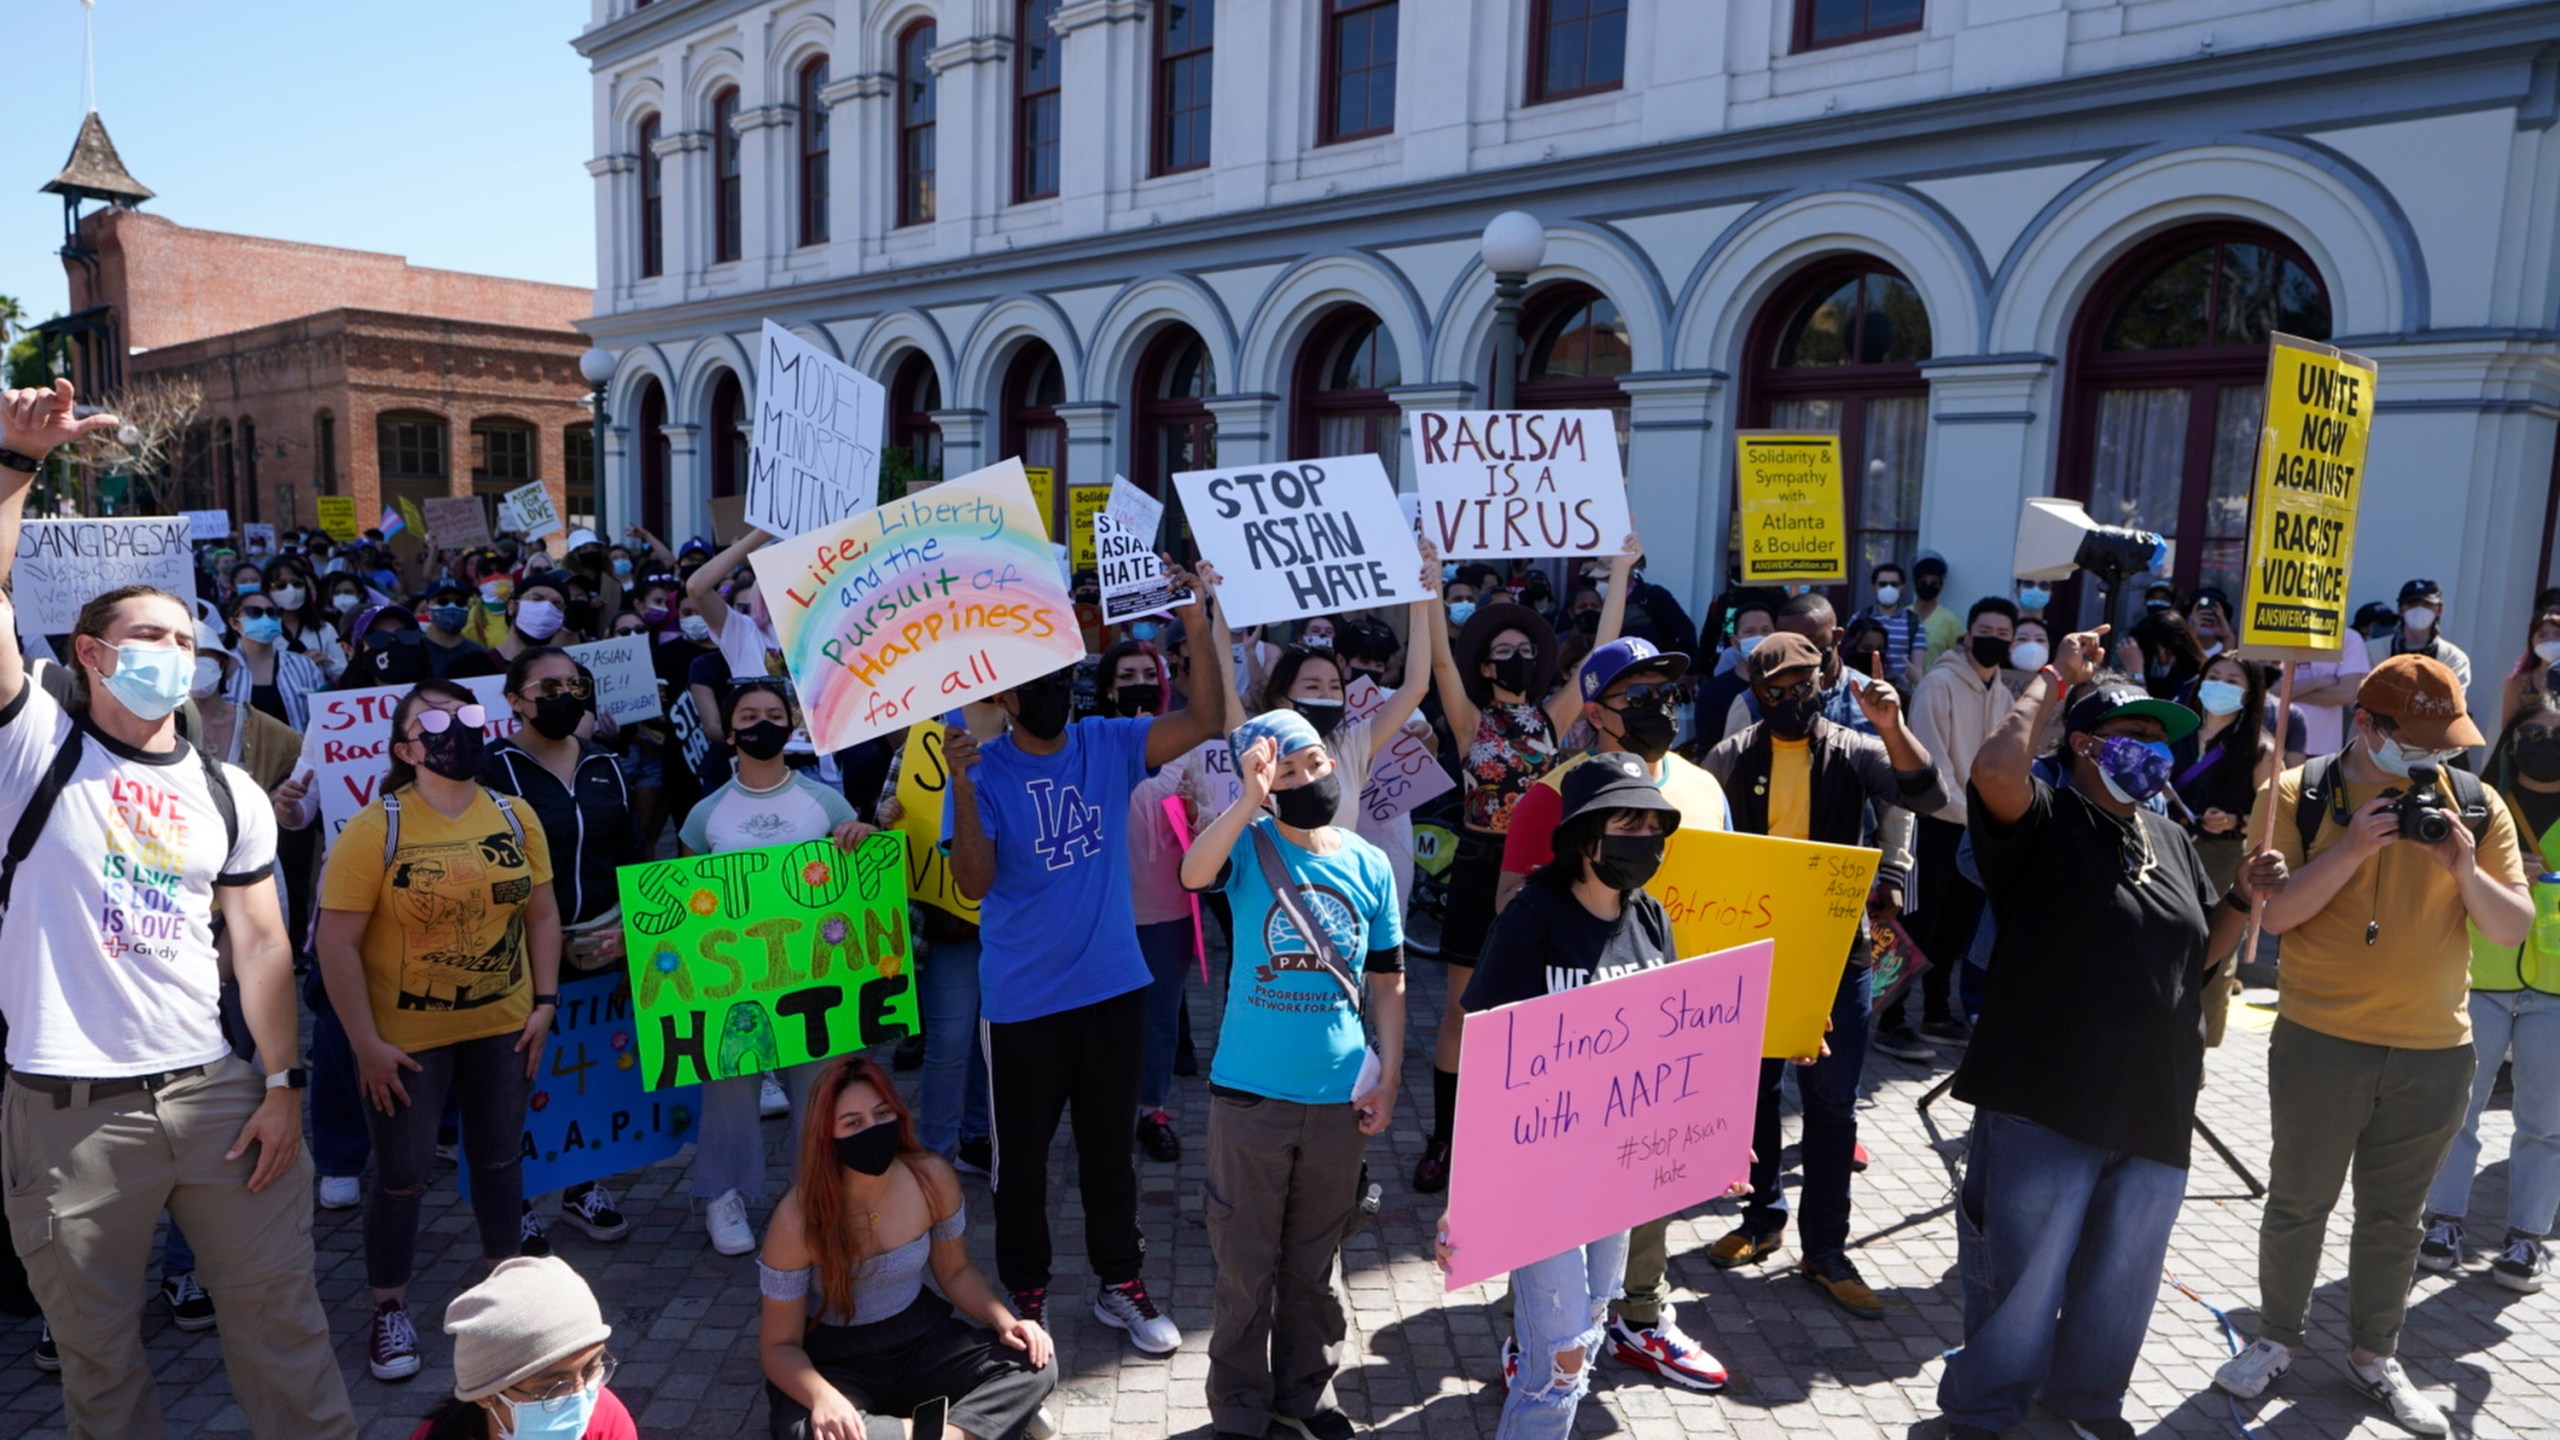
2092, 1022
1546, 942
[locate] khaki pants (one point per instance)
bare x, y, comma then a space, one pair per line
2391, 1115
1284, 1182
86, 1182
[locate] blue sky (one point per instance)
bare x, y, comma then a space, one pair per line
455, 133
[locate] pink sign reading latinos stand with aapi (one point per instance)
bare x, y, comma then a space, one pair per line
1592, 1111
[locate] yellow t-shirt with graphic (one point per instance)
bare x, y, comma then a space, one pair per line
444, 939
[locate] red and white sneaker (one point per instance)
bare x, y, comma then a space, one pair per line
1662, 1349
394, 1347
1510, 1362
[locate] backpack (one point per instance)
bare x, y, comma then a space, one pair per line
57, 777
2318, 798
391, 823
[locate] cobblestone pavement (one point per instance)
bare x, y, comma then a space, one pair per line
684, 1317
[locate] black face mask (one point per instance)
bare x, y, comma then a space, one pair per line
582, 616
1869, 661
1310, 806
2539, 759
1929, 585
1045, 707
1648, 729
870, 1150
1325, 715
1794, 719
1135, 700
556, 717
455, 754
1990, 650
761, 741
1513, 673
1587, 621
1625, 862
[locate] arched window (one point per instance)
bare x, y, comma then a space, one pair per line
728, 214
411, 446
1839, 349
815, 114
915, 393
1344, 372
726, 436
1034, 388
1037, 70
916, 97
1573, 349
1176, 432
653, 235
656, 454
2169, 363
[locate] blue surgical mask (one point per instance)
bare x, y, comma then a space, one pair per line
2034, 597
533, 1420
151, 680
265, 629
621, 568
2220, 697
247, 587
1146, 630
1461, 611
448, 618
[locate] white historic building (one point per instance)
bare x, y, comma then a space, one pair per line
2006, 247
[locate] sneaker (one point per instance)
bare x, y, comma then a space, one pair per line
446, 1151
726, 1219
1837, 1278
593, 1212
1663, 1350
1742, 1247
2520, 1265
2441, 1251
2387, 1385
1031, 1305
2114, 1427
1328, 1425
395, 1342
909, 1055
189, 1307
340, 1192
48, 1354
770, 1101
1858, 1159
1156, 1137
976, 1157
1041, 1426
1125, 1306
1951, 1030
1510, 1362
1431, 1172
2249, 1373
1901, 1045
531, 1238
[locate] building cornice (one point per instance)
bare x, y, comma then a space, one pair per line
1081, 13
969, 50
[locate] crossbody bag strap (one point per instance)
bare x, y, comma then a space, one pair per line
1285, 893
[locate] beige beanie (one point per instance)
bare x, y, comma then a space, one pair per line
527, 1316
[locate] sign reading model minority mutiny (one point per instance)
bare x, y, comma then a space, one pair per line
1310, 537
816, 453
1794, 521
748, 961
1511, 483
902, 612
2302, 522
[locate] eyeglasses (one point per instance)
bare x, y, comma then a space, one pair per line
552, 686
597, 1374
2530, 733
436, 722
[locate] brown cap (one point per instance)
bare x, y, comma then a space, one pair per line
2421, 697
1778, 653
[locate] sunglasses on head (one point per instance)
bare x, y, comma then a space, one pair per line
436, 722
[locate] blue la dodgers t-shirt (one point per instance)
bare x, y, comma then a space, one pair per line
1058, 928
1289, 1032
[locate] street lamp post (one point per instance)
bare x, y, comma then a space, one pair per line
596, 367
1514, 244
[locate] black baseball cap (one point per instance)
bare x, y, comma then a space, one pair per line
2418, 590
2098, 704
1612, 781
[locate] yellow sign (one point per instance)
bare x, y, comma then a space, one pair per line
337, 516
1794, 513
1083, 503
1044, 493
922, 777
2302, 512
409, 516
1724, 889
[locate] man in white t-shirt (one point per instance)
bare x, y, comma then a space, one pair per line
123, 1097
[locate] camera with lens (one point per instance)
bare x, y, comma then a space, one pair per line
2421, 809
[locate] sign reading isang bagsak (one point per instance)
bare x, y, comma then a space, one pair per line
2302, 511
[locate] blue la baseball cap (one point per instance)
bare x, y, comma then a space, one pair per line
1604, 665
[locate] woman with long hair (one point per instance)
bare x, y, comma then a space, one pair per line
2217, 772
439, 941
2534, 671
2163, 653
302, 621
850, 1330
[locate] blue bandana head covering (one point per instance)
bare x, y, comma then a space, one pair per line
1288, 731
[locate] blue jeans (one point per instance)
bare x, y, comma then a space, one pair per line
1829, 1089
1559, 1304
954, 1104
2047, 1227
340, 1143
2524, 1024
1169, 958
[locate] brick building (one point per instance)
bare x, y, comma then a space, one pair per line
323, 371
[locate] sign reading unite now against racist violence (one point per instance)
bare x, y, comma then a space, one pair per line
2302, 521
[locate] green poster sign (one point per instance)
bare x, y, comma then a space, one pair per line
749, 961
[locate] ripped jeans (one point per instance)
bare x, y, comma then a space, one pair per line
1559, 1304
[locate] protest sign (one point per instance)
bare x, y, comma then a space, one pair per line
1723, 889
1138, 512
2302, 521
208, 524
259, 537
922, 779
1133, 579
748, 961
337, 516
530, 505
457, 522
1496, 483
1311, 537
1403, 775
815, 457
409, 516
729, 520
64, 564
1083, 503
1795, 526
1589, 1111
348, 744
1044, 494
692, 741
588, 1116
904, 611
626, 681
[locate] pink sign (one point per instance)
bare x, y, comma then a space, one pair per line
1591, 1111
1403, 775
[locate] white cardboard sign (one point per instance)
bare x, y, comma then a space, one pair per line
527, 511
1504, 484
349, 743
208, 524
815, 459
1304, 537
626, 683
64, 564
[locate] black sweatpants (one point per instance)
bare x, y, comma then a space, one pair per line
1083, 1063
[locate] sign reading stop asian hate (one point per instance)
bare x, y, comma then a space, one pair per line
1589, 1111
1513, 483
2302, 521
1309, 537
1794, 513
1722, 888
748, 961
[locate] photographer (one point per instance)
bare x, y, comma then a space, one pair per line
2371, 1060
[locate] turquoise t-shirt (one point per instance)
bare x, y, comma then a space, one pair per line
1290, 1032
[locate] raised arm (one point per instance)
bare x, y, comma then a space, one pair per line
1406, 698
704, 587
657, 548
1208, 854
1454, 701
973, 855
1206, 719
33, 422
2001, 767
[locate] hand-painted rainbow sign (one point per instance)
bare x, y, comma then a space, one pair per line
901, 613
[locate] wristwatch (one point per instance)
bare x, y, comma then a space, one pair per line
551, 999
296, 1078
12, 460
2233, 898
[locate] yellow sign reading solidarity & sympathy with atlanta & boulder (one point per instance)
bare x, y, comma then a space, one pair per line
1795, 526
2302, 520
